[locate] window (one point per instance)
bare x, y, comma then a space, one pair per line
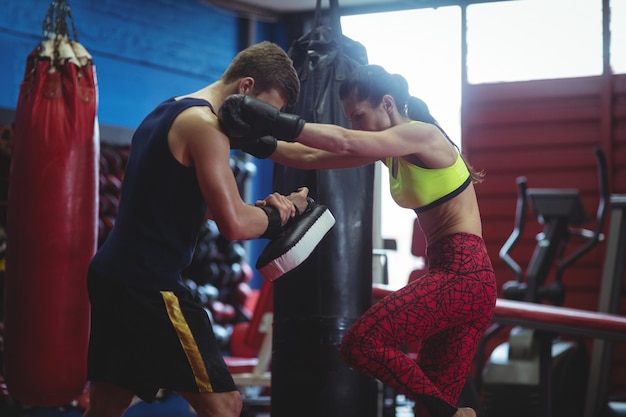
424, 46
507, 41
618, 36
534, 39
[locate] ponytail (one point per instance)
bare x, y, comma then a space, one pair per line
417, 109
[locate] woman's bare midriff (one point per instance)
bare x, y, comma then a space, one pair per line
459, 215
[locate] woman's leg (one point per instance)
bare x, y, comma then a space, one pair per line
440, 310
446, 359
373, 345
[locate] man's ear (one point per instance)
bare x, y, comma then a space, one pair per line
246, 86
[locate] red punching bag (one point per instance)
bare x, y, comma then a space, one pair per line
51, 220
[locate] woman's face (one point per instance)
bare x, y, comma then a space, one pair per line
364, 116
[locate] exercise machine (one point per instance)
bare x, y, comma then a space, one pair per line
612, 291
520, 375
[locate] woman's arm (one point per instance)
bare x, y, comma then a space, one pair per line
400, 140
244, 117
300, 156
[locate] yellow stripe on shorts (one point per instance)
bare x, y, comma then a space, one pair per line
187, 341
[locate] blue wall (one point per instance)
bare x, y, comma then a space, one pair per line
143, 51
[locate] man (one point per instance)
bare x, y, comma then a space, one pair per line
146, 331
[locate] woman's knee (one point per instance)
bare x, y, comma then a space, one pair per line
345, 350
356, 346
349, 344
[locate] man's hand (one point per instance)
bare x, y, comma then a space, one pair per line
287, 205
242, 117
299, 199
260, 148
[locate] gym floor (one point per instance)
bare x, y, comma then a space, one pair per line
172, 405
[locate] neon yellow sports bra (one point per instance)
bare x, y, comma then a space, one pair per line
420, 188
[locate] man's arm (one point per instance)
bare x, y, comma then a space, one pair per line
207, 149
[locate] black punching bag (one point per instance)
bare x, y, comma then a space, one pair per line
315, 304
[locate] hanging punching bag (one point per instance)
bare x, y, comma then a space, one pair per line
315, 304
51, 220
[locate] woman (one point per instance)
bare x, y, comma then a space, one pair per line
447, 310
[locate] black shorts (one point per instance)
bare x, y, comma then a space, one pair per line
144, 340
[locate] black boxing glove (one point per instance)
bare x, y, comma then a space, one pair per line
242, 116
260, 148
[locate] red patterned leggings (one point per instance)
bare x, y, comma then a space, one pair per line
445, 311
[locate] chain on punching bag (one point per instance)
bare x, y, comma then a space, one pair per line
51, 219
315, 306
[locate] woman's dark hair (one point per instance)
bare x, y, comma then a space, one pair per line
372, 82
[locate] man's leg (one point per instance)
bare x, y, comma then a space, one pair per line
212, 404
465, 412
107, 400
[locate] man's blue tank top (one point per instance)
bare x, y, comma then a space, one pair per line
161, 209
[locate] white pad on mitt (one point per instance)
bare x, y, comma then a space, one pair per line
296, 243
